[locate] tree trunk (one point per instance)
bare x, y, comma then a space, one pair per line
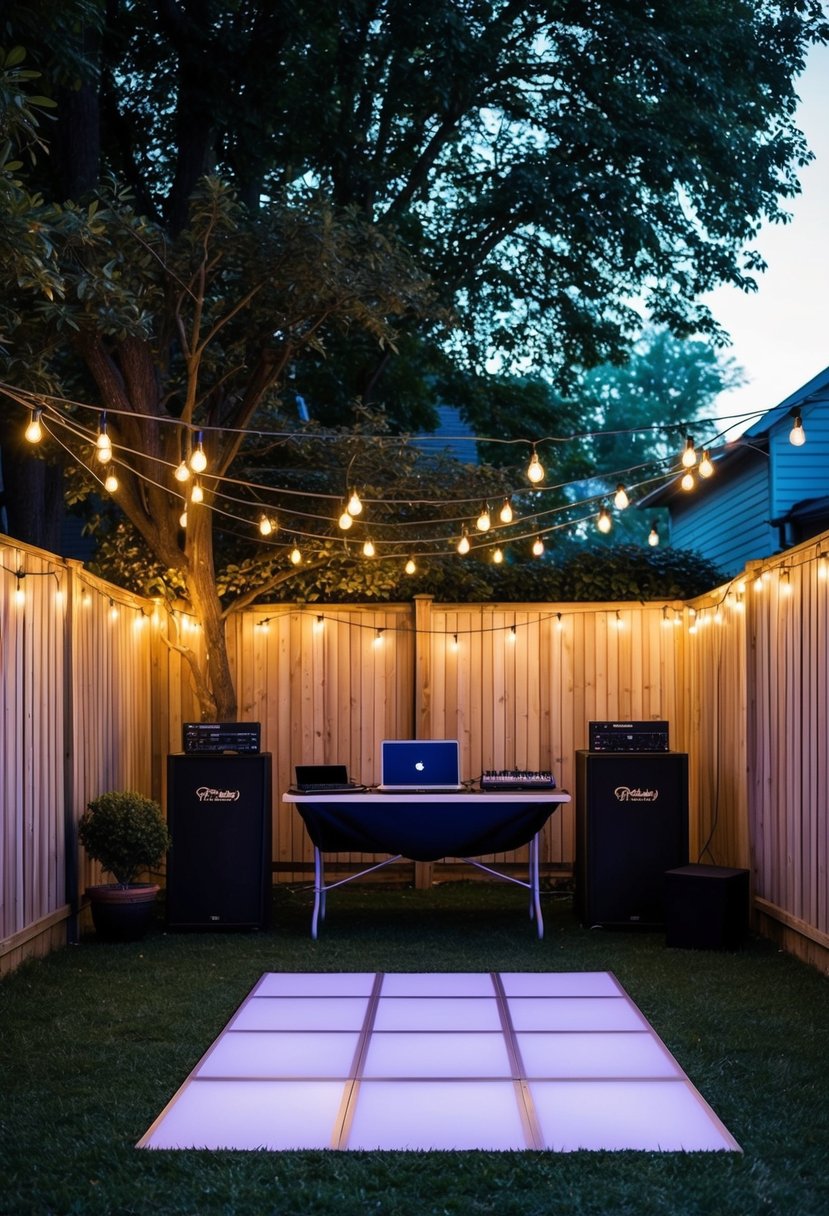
217, 695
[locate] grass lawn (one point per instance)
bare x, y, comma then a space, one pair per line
95, 1039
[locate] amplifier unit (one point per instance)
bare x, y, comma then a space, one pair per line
628, 736
201, 738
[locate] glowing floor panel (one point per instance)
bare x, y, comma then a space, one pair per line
438, 1061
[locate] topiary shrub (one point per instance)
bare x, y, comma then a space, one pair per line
125, 832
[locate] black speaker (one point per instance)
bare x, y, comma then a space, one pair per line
631, 826
219, 863
706, 907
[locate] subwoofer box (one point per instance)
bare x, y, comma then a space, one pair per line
706, 907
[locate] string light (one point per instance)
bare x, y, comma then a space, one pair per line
319, 624
355, 506
368, 549
454, 645
483, 522
618, 622
296, 556
182, 473
535, 469
345, 521
512, 636
797, 435
538, 547
506, 513
19, 592
182, 519
621, 499
706, 468
197, 493
498, 557
113, 611
198, 459
111, 483
103, 444
785, 583
378, 637
410, 566
604, 522
653, 536
559, 623
665, 622
34, 431
689, 455
265, 525
463, 544
688, 482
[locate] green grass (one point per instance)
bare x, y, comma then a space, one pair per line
95, 1039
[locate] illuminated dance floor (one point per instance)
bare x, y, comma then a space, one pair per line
507, 1060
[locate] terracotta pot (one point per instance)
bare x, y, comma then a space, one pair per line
122, 914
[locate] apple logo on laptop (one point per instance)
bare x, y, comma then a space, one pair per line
420, 766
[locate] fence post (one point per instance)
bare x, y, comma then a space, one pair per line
423, 699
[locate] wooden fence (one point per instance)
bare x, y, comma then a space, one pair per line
94, 698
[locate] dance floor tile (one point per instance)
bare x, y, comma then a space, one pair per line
432, 1061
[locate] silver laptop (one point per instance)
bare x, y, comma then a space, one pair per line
419, 766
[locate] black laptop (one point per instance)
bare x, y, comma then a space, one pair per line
323, 779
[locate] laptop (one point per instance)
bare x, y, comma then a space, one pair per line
323, 779
419, 766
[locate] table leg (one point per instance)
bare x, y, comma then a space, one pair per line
319, 893
535, 886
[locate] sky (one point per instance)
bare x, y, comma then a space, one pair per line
780, 333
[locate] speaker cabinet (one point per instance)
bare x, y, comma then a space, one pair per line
631, 826
219, 864
706, 907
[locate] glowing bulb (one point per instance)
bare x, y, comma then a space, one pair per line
355, 506
559, 622
345, 521
378, 638
689, 455
182, 473
111, 483
688, 482
785, 585
296, 556
197, 493
104, 454
512, 635
621, 499
319, 624
506, 513
454, 645
113, 611
198, 460
483, 522
410, 566
463, 544
538, 547
653, 536
797, 435
604, 522
498, 557
34, 431
706, 467
265, 525
103, 443
19, 593
182, 519
535, 469
368, 549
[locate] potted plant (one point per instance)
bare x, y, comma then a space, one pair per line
128, 835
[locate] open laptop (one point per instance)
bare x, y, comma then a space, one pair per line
419, 766
323, 779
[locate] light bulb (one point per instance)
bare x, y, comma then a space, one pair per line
198, 460
506, 513
265, 526
653, 537
103, 442
345, 521
604, 522
706, 467
512, 636
378, 638
454, 644
355, 506
538, 547
535, 469
197, 493
797, 435
368, 549
688, 482
113, 611
34, 431
296, 556
482, 523
463, 544
111, 483
689, 455
498, 557
182, 473
19, 593
104, 453
182, 519
410, 566
621, 499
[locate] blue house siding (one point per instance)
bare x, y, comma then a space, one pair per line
730, 527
